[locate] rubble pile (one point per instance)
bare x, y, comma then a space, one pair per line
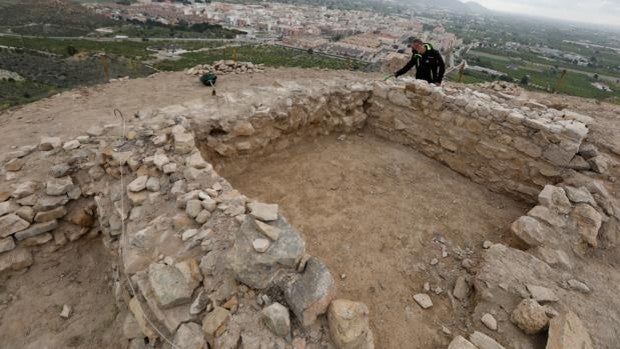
226, 67
199, 263
505, 87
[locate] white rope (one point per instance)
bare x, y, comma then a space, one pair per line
124, 238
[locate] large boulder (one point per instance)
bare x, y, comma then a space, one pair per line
310, 293
260, 270
348, 325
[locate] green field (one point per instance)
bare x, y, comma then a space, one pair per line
128, 49
261, 54
544, 77
14, 93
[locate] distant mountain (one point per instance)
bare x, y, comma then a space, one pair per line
476, 7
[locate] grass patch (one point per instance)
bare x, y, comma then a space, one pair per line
541, 78
14, 93
261, 54
470, 77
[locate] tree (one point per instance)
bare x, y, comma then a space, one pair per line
337, 37
506, 78
525, 80
595, 76
71, 51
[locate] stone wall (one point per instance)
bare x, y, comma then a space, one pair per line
509, 148
275, 117
199, 262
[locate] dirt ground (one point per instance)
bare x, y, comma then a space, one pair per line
71, 113
77, 275
375, 212
378, 213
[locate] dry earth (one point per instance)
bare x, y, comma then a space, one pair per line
77, 275
377, 213
72, 113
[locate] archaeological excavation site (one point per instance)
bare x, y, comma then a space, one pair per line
330, 211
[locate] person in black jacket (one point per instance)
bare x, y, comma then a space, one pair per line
428, 63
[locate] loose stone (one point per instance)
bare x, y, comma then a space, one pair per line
489, 321
423, 300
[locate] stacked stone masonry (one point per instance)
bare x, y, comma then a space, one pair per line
201, 263
514, 149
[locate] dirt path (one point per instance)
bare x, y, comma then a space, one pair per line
71, 113
375, 212
77, 275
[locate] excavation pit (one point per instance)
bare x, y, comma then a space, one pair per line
395, 186
381, 215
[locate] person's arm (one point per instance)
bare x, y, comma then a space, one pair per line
441, 67
413, 62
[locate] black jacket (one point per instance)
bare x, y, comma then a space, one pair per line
429, 66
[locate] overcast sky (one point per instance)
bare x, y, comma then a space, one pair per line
592, 11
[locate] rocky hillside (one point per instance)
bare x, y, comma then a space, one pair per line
49, 17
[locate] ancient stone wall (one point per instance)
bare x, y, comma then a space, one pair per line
199, 262
509, 148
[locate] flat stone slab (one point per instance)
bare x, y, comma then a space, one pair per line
16, 259
10, 224
423, 300
169, 285
7, 244
264, 212
482, 341
58, 186
36, 229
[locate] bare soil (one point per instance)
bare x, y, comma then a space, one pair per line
77, 275
378, 213
71, 113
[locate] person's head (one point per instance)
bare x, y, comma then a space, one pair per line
416, 45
